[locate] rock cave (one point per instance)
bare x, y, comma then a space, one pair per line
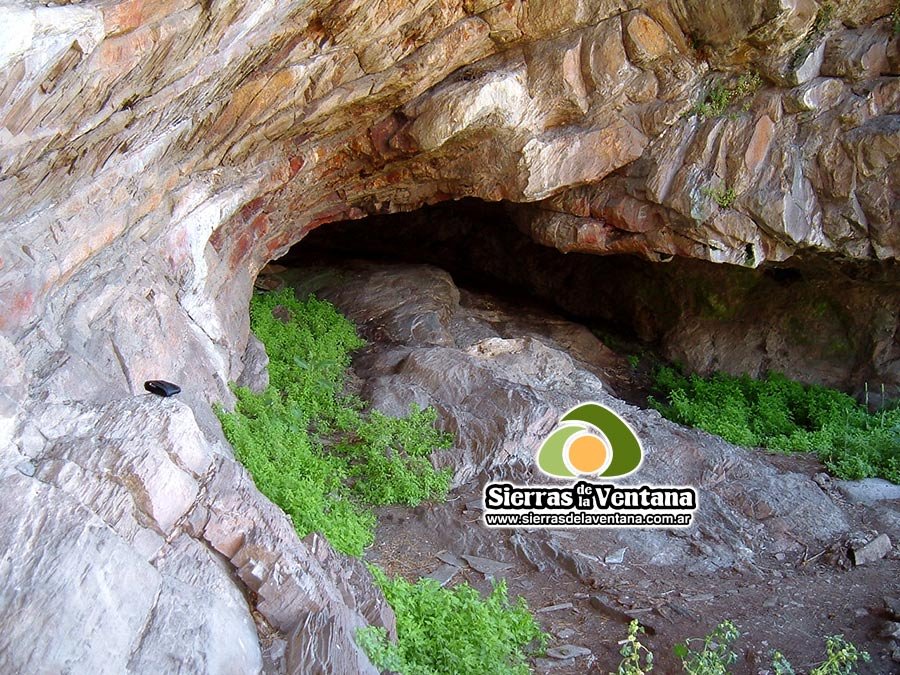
519, 206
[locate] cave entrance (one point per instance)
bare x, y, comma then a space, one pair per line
816, 320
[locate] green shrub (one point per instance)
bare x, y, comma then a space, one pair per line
721, 95
722, 196
452, 631
787, 416
636, 658
315, 452
714, 655
840, 657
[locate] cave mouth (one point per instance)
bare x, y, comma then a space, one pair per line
816, 320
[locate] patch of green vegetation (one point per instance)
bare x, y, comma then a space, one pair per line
315, 452
722, 196
452, 631
895, 19
714, 655
787, 416
721, 95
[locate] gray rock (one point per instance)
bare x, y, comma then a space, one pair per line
874, 551
255, 373
486, 566
568, 652
555, 608
617, 557
869, 491
443, 574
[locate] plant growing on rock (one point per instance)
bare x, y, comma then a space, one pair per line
442, 631
722, 196
720, 96
314, 451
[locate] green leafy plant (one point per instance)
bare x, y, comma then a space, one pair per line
786, 416
636, 658
452, 631
722, 196
633, 360
714, 655
315, 452
895, 19
780, 664
840, 657
721, 95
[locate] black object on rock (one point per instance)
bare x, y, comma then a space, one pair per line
162, 388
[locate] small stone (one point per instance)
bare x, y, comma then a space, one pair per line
544, 665
565, 633
555, 608
875, 550
568, 652
443, 574
891, 629
892, 605
617, 557
869, 491
822, 479
26, 468
485, 565
451, 559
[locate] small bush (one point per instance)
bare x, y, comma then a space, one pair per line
787, 416
720, 96
840, 657
452, 631
714, 655
315, 452
722, 196
636, 658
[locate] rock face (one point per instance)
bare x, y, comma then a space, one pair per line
154, 155
500, 381
815, 320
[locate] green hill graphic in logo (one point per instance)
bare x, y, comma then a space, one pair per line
590, 440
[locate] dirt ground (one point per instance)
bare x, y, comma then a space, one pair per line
789, 605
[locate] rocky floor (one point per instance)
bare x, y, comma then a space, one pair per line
772, 545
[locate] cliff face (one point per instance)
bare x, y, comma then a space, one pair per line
154, 155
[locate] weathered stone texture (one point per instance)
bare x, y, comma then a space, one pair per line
154, 155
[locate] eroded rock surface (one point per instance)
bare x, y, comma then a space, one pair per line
154, 155
499, 374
